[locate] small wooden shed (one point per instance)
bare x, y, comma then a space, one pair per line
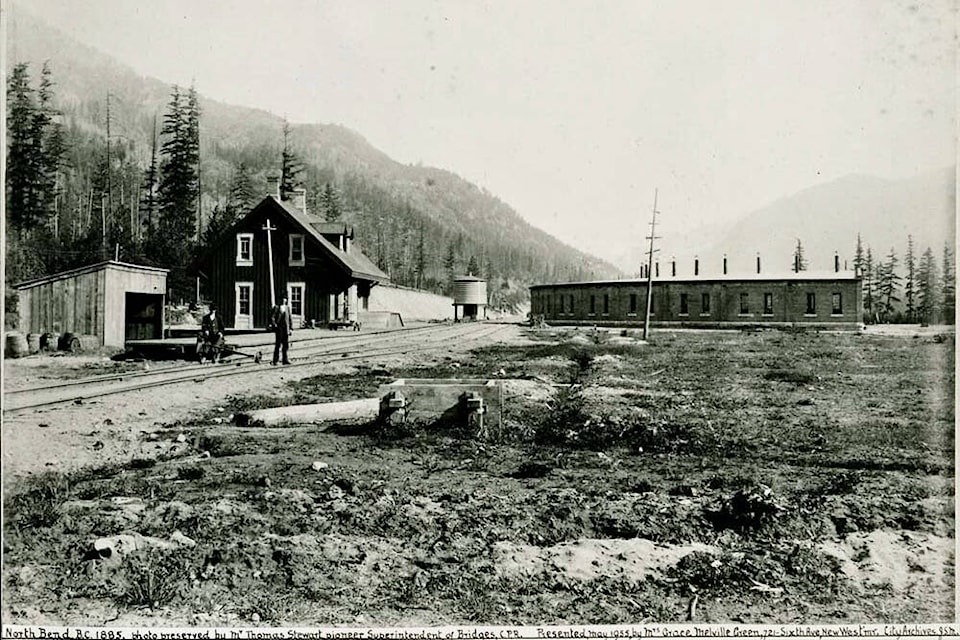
112, 300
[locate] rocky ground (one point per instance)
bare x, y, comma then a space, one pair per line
711, 476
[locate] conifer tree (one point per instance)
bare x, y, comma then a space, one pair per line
910, 286
290, 166
22, 160
421, 259
799, 261
858, 256
330, 203
928, 299
868, 284
888, 284
472, 267
148, 198
171, 243
949, 286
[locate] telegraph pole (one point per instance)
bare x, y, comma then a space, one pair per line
273, 291
651, 238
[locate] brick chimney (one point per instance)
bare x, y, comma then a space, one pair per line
300, 199
273, 186
696, 266
758, 263
724, 264
836, 262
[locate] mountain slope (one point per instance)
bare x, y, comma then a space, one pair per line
826, 219
389, 202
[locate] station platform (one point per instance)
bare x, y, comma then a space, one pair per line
183, 342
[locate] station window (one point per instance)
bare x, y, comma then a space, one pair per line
571, 305
633, 303
684, 307
744, 303
244, 295
837, 304
768, 304
811, 303
705, 304
244, 249
606, 304
296, 250
593, 304
560, 309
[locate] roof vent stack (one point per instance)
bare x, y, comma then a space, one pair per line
300, 199
273, 186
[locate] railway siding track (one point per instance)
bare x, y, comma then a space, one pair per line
380, 345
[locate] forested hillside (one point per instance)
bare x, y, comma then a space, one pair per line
104, 163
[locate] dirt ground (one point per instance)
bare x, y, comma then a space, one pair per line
770, 476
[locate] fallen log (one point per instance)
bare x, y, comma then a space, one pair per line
363, 409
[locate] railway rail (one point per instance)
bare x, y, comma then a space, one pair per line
378, 345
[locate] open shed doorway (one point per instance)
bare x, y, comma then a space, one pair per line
143, 316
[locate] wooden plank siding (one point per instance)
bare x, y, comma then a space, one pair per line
789, 302
321, 275
87, 301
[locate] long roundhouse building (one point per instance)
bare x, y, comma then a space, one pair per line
826, 300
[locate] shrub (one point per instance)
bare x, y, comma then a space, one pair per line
750, 508
153, 577
39, 506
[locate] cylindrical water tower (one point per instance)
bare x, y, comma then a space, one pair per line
470, 294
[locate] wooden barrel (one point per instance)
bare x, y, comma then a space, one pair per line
16, 345
49, 341
33, 342
70, 342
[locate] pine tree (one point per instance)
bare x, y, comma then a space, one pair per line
472, 267
330, 203
888, 284
421, 260
148, 199
22, 161
290, 167
171, 243
799, 262
450, 265
910, 286
928, 298
242, 194
858, 257
949, 286
48, 146
192, 147
868, 284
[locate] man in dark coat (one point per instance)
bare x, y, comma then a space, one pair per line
211, 334
282, 327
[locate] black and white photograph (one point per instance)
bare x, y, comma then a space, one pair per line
467, 317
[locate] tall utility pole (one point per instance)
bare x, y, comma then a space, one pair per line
109, 171
651, 238
273, 290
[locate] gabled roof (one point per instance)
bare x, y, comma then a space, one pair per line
355, 263
332, 228
90, 268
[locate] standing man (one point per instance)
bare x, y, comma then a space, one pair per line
282, 326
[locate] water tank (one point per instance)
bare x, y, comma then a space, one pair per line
469, 290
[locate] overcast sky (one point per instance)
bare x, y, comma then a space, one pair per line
574, 112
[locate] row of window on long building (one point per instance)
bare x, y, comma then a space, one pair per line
565, 304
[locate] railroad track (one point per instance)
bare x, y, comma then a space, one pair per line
378, 345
